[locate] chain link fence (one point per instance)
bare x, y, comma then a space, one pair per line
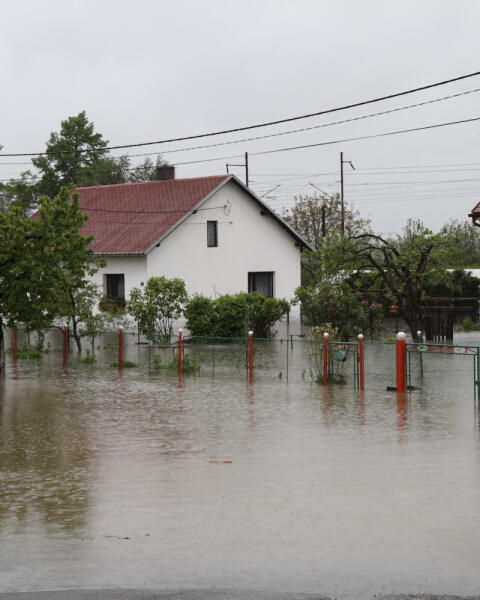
438, 368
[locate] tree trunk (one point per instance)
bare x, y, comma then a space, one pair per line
76, 336
413, 321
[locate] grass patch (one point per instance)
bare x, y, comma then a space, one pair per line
189, 365
88, 359
127, 364
469, 325
29, 353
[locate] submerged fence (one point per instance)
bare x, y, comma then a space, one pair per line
397, 366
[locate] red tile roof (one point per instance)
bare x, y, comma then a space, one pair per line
150, 210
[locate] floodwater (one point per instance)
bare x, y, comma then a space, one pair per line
137, 480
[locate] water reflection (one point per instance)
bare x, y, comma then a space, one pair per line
213, 481
402, 421
44, 460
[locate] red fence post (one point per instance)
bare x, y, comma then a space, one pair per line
401, 363
361, 362
120, 349
14, 347
250, 357
180, 352
65, 346
325, 358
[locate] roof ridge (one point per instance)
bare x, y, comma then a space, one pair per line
111, 185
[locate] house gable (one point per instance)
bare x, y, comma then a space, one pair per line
250, 242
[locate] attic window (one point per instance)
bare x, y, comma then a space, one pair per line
212, 237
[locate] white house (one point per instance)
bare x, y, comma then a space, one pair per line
213, 232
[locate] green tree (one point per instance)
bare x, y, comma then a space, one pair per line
407, 265
335, 303
41, 260
75, 155
318, 217
464, 240
21, 192
156, 307
70, 155
77, 305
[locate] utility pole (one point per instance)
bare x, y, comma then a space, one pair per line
324, 231
324, 227
245, 164
342, 205
342, 198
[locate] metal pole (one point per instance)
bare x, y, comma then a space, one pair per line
361, 362
342, 218
325, 358
120, 349
324, 231
401, 371
180, 352
246, 169
420, 341
250, 357
287, 359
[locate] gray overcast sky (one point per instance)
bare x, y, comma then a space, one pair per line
147, 70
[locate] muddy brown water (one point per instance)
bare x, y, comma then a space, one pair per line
137, 480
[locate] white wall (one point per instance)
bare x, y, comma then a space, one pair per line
134, 269
247, 241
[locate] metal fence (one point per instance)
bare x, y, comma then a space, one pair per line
435, 367
440, 367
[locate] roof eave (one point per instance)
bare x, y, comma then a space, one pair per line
119, 254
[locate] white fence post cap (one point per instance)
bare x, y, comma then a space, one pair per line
419, 333
360, 336
250, 333
180, 331
326, 335
401, 336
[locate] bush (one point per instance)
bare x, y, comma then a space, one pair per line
112, 306
333, 303
234, 315
469, 325
190, 365
127, 364
89, 359
157, 306
29, 353
199, 314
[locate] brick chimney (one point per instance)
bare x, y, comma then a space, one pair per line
164, 173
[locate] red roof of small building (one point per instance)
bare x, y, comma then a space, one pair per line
130, 218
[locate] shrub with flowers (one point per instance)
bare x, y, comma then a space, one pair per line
335, 303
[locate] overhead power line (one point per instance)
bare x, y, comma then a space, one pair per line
305, 146
367, 137
311, 128
265, 124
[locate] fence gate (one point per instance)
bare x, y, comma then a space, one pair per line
440, 368
343, 362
